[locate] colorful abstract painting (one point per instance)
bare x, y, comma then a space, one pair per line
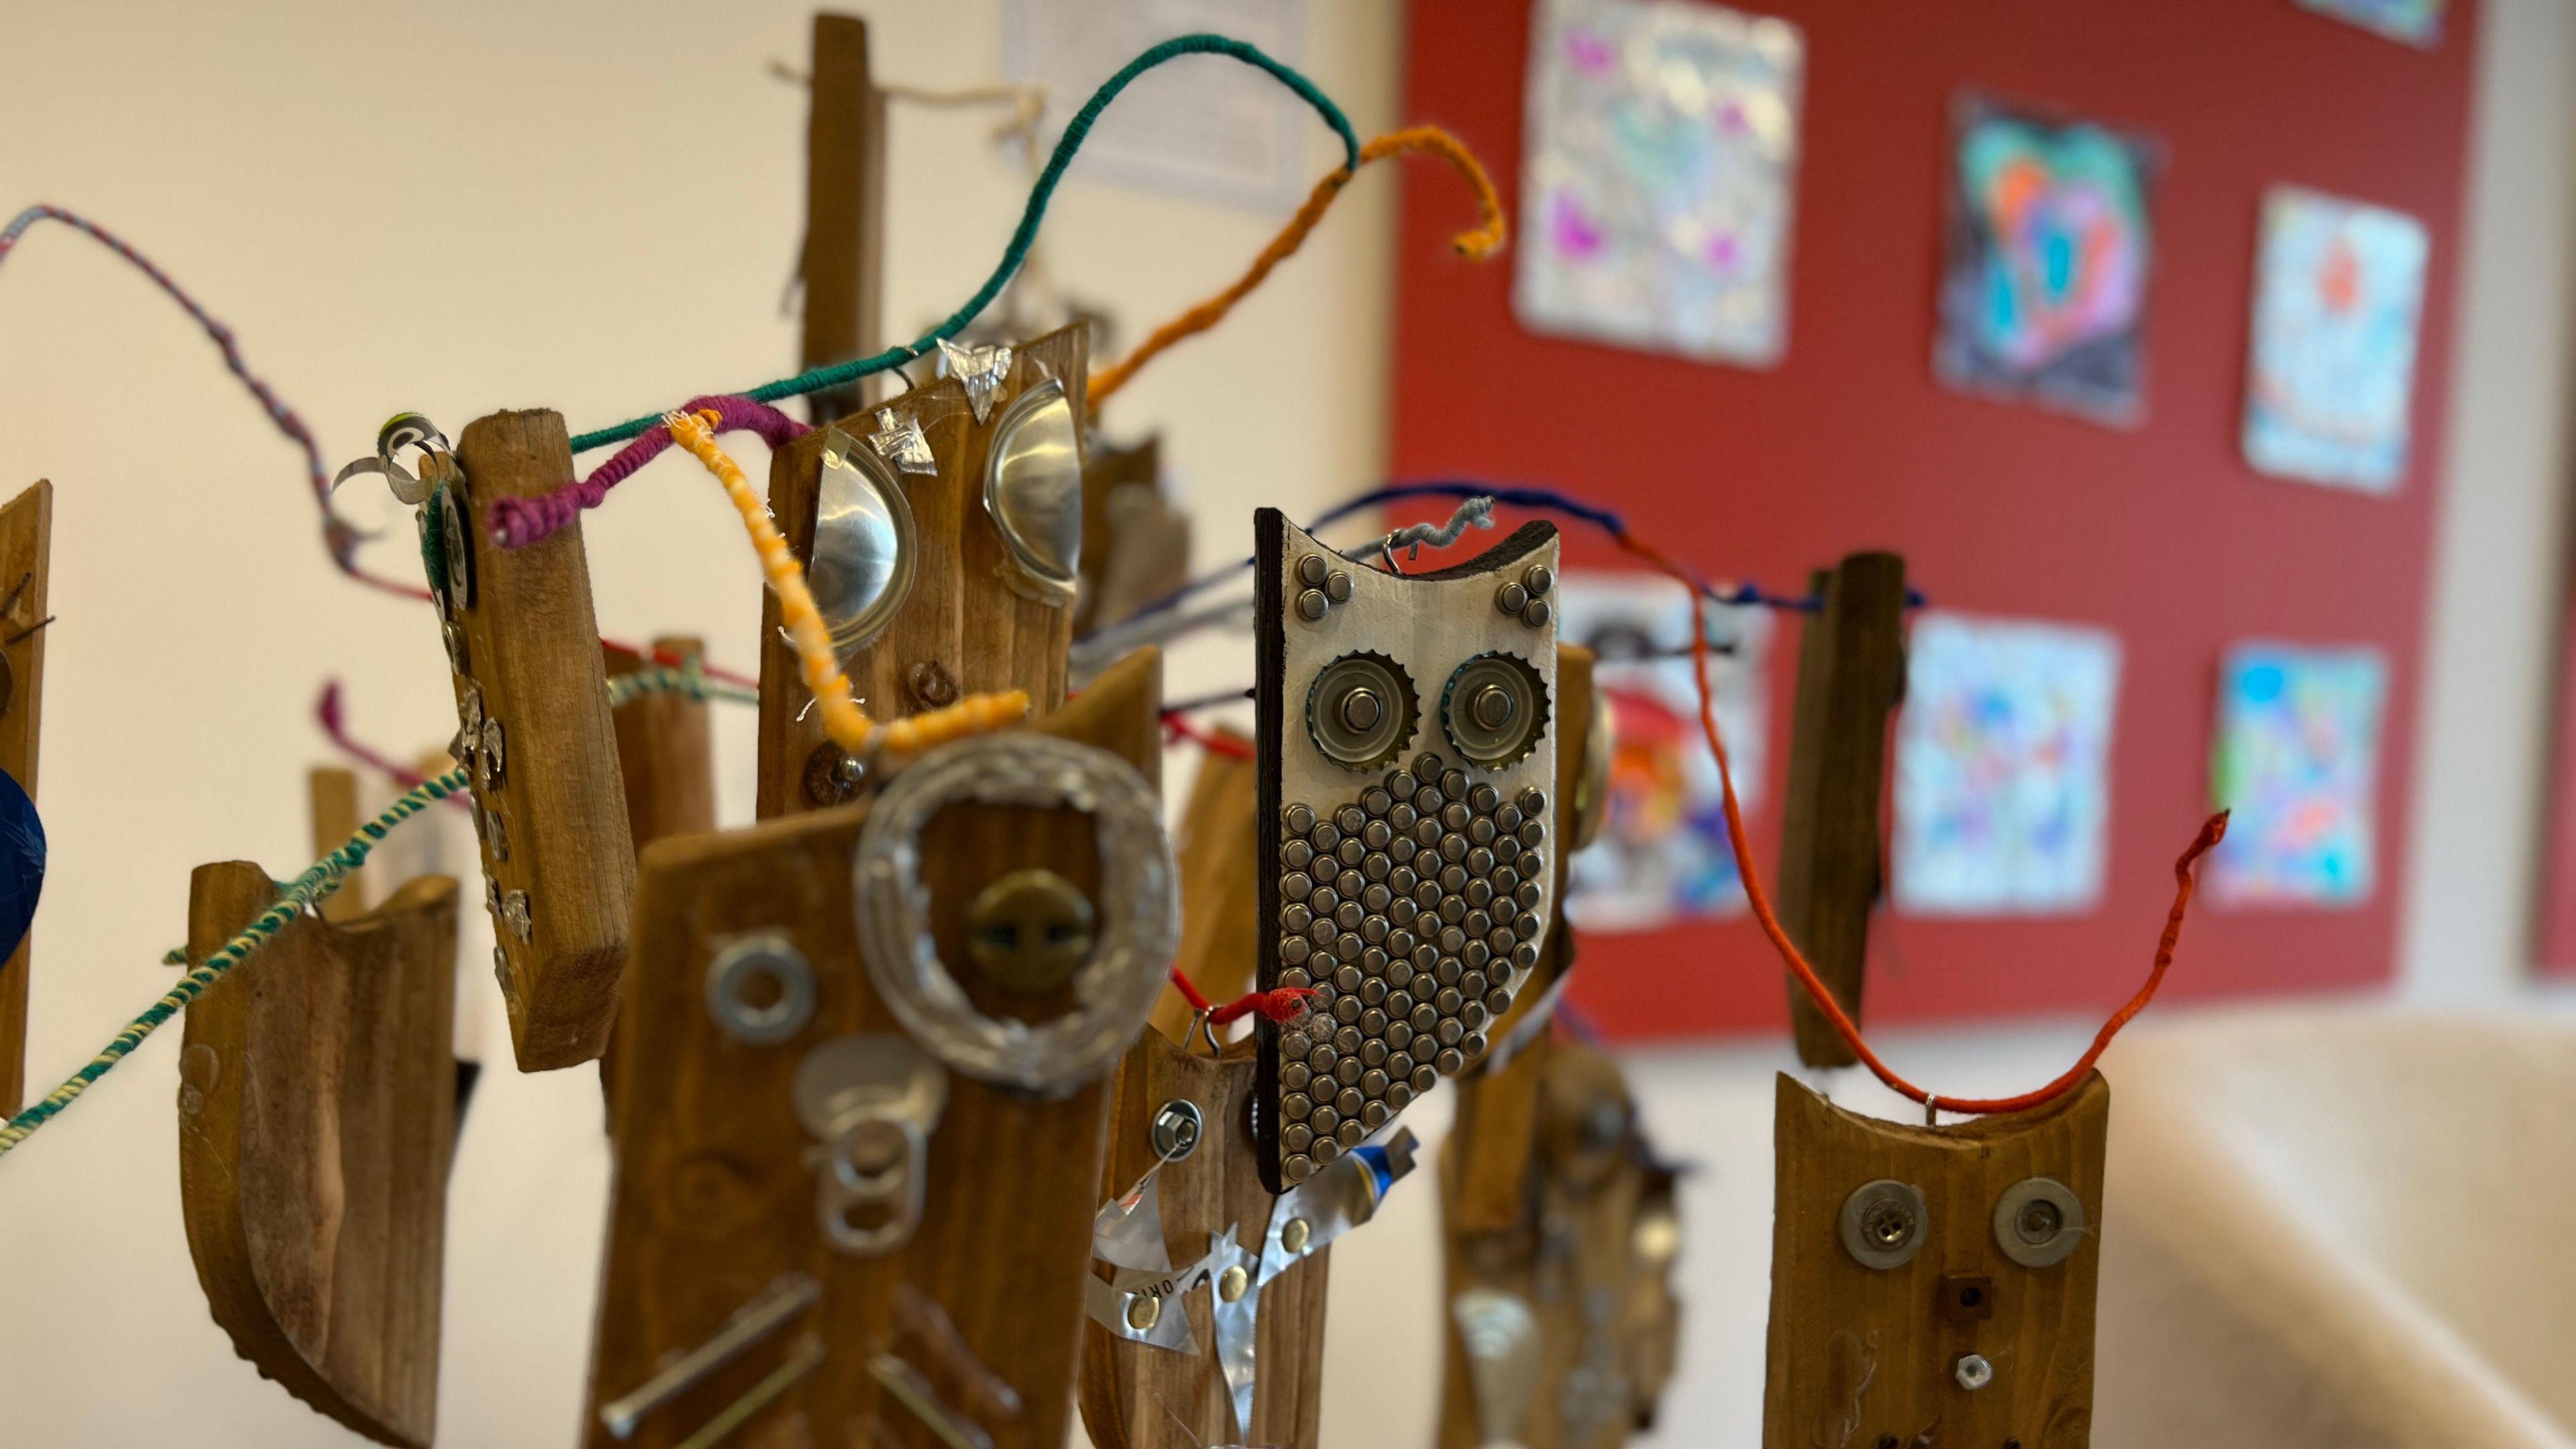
2002, 765
2297, 759
2417, 22
1661, 854
1657, 194
2339, 289
2044, 291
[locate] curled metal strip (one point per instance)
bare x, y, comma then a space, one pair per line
1139, 909
1308, 1217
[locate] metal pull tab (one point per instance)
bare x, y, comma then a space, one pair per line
871, 1100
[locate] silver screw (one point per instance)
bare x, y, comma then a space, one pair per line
1973, 1372
1176, 1129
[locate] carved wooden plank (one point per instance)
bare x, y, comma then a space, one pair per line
963, 630
1851, 666
1139, 1396
1864, 1356
317, 1108
1557, 1321
550, 807
332, 794
845, 169
665, 751
1216, 847
26, 549
716, 1201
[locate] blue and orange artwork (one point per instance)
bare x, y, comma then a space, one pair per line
2002, 767
2339, 291
2043, 296
2296, 757
1661, 854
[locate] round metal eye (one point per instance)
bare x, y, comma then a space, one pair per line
760, 989
1360, 710
1884, 1224
1137, 899
1033, 492
865, 544
1494, 710
2039, 1221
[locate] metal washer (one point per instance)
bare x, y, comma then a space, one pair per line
2050, 1249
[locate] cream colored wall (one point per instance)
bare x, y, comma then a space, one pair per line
455, 208
593, 208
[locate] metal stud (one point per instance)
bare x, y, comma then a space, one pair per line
1883, 1224
2039, 1222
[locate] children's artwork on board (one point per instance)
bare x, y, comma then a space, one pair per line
2044, 292
2416, 22
2339, 288
2002, 767
2297, 759
1662, 854
1657, 195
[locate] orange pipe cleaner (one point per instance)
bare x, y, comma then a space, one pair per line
1483, 241
2211, 833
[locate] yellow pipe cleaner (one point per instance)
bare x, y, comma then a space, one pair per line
843, 720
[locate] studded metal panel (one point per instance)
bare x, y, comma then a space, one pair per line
1408, 758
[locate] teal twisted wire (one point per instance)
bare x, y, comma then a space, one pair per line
1031, 216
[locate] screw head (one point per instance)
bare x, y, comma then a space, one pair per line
1973, 1372
1030, 930
1233, 1283
1143, 1311
932, 684
1294, 1236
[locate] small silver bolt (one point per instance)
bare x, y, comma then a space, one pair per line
1176, 1129
1973, 1372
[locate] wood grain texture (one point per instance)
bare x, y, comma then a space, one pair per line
715, 1194
962, 622
845, 171
1138, 1396
1851, 668
1597, 1287
332, 795
1859, 1354
26, 552
317, 1106
1135, 542
532, 652
665, 751
1217, 848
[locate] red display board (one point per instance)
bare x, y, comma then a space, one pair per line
2160, 533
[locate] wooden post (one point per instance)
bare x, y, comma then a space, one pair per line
963, 630
1851, 669
1135, 543
550, 807
716, 1197
26, 546
1967, 1262
317, 1109
664, 751
332, 792
845, 131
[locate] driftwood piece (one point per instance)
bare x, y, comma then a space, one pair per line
1560, 1321
715, 1203
317, 1106
550, 808
1863, 1356
963, 629
1851, 668
665, 751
